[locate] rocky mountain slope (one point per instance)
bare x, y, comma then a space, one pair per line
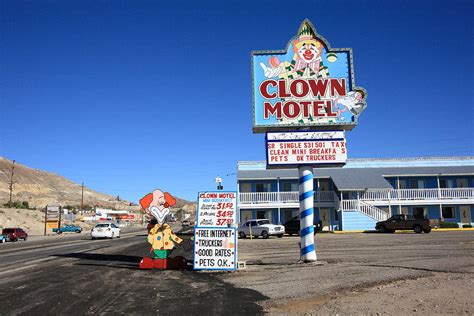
40, 188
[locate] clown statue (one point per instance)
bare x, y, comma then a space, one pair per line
161, 237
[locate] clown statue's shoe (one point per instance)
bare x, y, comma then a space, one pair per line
146, 263
160, 264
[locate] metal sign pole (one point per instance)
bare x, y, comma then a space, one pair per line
308, 249
45, 218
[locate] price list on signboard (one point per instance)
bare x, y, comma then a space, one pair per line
214, 249
215, 245
216, 209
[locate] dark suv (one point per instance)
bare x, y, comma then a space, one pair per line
292, 226
14, 234
404, 222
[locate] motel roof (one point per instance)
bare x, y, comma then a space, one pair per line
361, 174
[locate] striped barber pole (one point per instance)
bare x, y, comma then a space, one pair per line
308, 249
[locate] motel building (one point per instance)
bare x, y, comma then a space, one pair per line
362, 192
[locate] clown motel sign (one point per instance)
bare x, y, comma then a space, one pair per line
307, 85
306, 148
215, 249
216, 209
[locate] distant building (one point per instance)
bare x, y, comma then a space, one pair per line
363, 192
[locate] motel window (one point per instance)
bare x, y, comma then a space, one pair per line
289, 187
461, 183
448, 212
403, 184
263, 187
419, 212
446, 183
324, 185
245, 187
417, 184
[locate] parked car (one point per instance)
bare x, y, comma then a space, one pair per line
404, 222
105, 230
68, 229
260, 227
14, 234
3, 239
292, 226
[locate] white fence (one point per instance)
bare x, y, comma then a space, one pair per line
368, 195
367, 209
281, 197
413, 194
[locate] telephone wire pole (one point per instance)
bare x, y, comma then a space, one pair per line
11, 182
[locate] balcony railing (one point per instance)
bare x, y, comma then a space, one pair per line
281, 197
392, 195
413, 194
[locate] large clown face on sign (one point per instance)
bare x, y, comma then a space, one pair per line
309, 50
158, 204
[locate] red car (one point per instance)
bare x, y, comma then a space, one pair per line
14, 234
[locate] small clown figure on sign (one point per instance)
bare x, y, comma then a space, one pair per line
161, 237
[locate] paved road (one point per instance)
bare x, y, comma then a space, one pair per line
82, 276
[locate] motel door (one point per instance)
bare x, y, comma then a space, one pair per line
245, 216
465, 214
265, 215
325, 219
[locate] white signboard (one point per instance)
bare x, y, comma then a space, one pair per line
216, 209
52, 211
306, 148
215, 249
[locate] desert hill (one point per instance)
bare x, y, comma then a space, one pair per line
40, 188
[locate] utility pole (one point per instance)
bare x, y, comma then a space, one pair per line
11, 181
82, 198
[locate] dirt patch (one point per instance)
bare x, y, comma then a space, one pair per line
442, 293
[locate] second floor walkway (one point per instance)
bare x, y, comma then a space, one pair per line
373, 196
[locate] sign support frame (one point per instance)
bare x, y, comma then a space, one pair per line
306, 198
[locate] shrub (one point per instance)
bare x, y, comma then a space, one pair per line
9, 204
25, 204
17, 204
466, 226
448, 225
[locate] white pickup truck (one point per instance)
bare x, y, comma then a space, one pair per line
260, 227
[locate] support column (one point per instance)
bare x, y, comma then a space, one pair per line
278, 200
306, 192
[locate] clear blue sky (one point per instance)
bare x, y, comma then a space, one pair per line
129, 96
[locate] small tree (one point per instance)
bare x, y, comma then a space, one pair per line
9, 204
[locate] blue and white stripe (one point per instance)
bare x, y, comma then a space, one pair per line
308, 249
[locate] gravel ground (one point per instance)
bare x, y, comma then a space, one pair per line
440, 293
362, 274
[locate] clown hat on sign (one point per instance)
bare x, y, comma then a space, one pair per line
306, 35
